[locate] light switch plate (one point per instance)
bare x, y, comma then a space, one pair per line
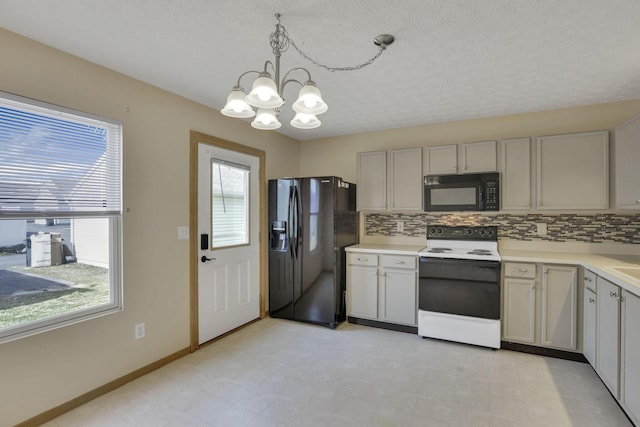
183, 232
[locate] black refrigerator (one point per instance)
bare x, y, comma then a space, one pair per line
311, 221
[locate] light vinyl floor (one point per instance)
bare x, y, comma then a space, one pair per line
282, 373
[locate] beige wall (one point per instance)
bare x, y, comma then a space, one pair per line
337, 156
45, 370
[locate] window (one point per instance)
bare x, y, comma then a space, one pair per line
60, 215
229, 204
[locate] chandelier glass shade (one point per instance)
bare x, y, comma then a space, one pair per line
266, 95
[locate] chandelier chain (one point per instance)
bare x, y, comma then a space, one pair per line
332, 69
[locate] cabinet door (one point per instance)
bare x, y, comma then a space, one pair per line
573, 171
398, 296
519, 310
589, 326
405, 180
608, 334
476, 157
442, 159
631, 367
362, 292
559, 307
372, 181
516, 174
627, 173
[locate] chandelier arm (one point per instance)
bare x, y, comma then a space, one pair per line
242, 75
332, 69
285, 82
295, 69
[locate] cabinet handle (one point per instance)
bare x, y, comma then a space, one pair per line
363, 259
398, 262
521, 270
613, 294
592, 300
545, 271
588, 279
638, 202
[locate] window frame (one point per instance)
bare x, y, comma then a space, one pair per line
115, 235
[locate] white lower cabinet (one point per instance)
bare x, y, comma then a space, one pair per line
608, 335
559, 307
519, 310
630, 350
545, 315
589, 325
382, 287
362, 292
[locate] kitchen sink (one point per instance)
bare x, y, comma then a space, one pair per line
629, 271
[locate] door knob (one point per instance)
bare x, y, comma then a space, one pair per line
205, 259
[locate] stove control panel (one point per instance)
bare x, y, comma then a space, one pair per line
446, 232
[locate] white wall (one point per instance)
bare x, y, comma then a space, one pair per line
42, 371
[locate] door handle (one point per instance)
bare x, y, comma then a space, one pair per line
205, 259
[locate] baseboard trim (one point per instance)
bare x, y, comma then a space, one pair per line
103, 389
542, 351
383, 325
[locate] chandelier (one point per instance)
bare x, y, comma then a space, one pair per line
266, 96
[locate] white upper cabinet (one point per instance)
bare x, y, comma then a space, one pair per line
573, 171
472, 157
405, 180
627, 159
371, 192
390, 180
516, 174
440, 160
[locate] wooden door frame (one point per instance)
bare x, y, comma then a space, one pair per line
195, 139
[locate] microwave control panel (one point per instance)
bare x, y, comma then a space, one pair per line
491, 195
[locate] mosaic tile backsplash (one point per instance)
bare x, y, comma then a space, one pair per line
595, 228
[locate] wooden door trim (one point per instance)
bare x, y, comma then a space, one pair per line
195, 139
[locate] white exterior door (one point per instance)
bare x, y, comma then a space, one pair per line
228, 229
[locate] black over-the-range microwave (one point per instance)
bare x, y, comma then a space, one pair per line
467, 192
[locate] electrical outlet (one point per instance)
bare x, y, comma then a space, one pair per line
139, 331
400, 226
541, 229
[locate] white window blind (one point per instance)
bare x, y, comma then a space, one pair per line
57, 162
230, 204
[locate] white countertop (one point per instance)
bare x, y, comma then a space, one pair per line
604, 265
386, 249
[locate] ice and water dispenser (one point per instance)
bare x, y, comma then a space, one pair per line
279, 235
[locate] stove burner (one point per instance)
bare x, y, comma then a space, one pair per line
480, 252
439, 250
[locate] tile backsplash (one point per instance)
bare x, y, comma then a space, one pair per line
589, 228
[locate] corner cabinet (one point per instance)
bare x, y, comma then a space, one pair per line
627, 172
515, 156
573, 171
382, 288
390, 180
471, 157
540, 309
608, 335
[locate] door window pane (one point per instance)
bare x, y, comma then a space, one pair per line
229, 204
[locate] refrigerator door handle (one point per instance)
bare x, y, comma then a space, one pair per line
290, 220
297, 214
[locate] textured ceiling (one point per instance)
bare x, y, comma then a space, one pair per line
452, 60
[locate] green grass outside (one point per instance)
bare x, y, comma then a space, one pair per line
89, 288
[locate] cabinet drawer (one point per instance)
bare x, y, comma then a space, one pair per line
398, 261
355, 258
518, 269
590, 280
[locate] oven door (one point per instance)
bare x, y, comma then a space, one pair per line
461, 287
